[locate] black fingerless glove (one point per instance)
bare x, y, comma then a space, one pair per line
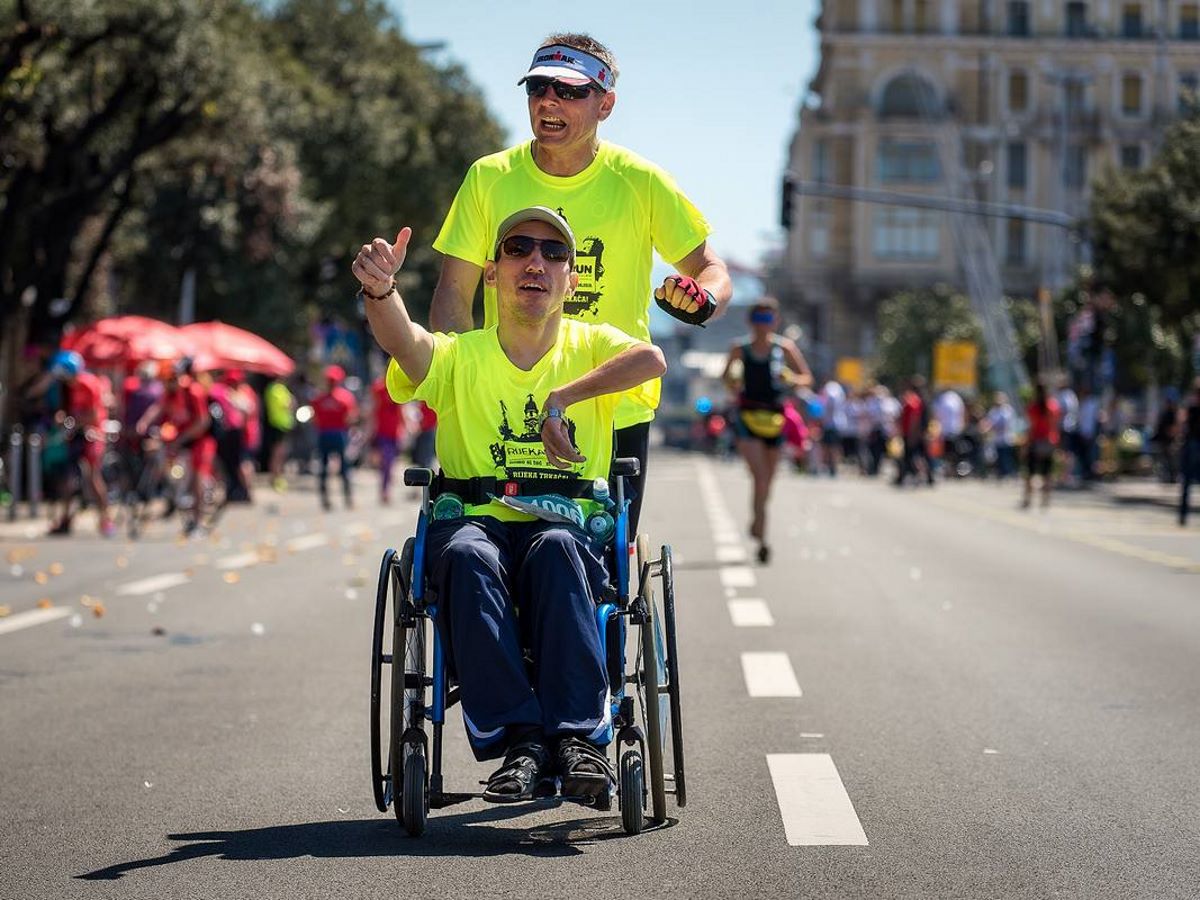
708, 304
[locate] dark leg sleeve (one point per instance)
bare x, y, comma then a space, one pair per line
633, 441
470, 565
560, 577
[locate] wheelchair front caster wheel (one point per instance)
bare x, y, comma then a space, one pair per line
415, 799
632, 790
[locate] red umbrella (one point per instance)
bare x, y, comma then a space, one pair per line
125, 339
232, 347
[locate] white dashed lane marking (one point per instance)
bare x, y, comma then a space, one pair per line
813, 802
737, 577
153, 584
33, 617
750, 613
731, 554
240, 561
307, 542
769, 674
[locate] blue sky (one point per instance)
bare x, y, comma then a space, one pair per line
708, 90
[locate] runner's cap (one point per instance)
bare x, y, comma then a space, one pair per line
570, 65
534, 214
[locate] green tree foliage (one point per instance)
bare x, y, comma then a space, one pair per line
88, 92
1145, 227
256, 145
911, 322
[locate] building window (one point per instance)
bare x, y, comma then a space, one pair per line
1131, 94
1075, 94
908, 161
821, 160
1075, 167
902, 233
1017, 166
1014, 242
1189, 22
908, 96
1076, 19
925, 24
1131, 20
818, 232
897, 8
1018, 18
1018, 91
1189, 84
1131, 156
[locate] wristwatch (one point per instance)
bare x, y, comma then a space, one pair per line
550, 412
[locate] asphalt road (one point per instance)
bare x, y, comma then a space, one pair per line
939, 695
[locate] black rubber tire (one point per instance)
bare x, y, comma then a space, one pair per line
649, 680
632, 792
668, 585
415, 799
408, 657
379, 783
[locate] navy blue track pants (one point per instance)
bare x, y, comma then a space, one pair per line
502, 586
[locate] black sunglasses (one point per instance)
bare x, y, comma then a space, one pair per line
537, 87
519, 246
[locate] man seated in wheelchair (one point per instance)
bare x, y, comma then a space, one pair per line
525, 418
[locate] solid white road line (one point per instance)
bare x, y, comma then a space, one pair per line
731, 554
737, 577
769, 674
239, 561
813, 802
307, 542
33, 617
153, 583
748, 613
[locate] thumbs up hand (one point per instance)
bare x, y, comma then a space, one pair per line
379, 261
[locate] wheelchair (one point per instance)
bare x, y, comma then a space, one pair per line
406, 765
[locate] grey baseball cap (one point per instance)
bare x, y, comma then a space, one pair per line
535, 214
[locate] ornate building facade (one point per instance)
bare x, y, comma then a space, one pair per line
1038, 97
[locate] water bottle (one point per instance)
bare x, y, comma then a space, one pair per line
447, 506
600, 493
600, 525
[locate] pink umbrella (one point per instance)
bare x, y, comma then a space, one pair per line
223, 346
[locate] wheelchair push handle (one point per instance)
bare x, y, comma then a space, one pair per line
626, 466
416, 476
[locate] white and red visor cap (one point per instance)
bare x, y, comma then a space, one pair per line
570, 65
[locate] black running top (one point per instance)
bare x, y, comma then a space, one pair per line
762, 378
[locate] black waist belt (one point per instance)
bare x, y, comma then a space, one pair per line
482, 488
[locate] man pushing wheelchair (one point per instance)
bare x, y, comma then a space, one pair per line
515, 553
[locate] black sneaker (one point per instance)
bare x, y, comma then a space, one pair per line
522, 777
583, 769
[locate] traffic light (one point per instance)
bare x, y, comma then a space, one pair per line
785, 208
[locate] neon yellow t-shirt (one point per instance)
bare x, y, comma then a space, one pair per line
620, 207
488, 408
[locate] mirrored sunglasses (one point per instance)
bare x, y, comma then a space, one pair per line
519, 246
537, 87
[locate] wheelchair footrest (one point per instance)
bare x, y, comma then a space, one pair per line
445, 798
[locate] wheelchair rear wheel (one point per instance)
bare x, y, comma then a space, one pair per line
407, 702
672, 666
381, 781
649, 676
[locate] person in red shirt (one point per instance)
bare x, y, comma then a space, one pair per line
86, 406
334, 412
387, 431
184, 406
1044, 417
914, 418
